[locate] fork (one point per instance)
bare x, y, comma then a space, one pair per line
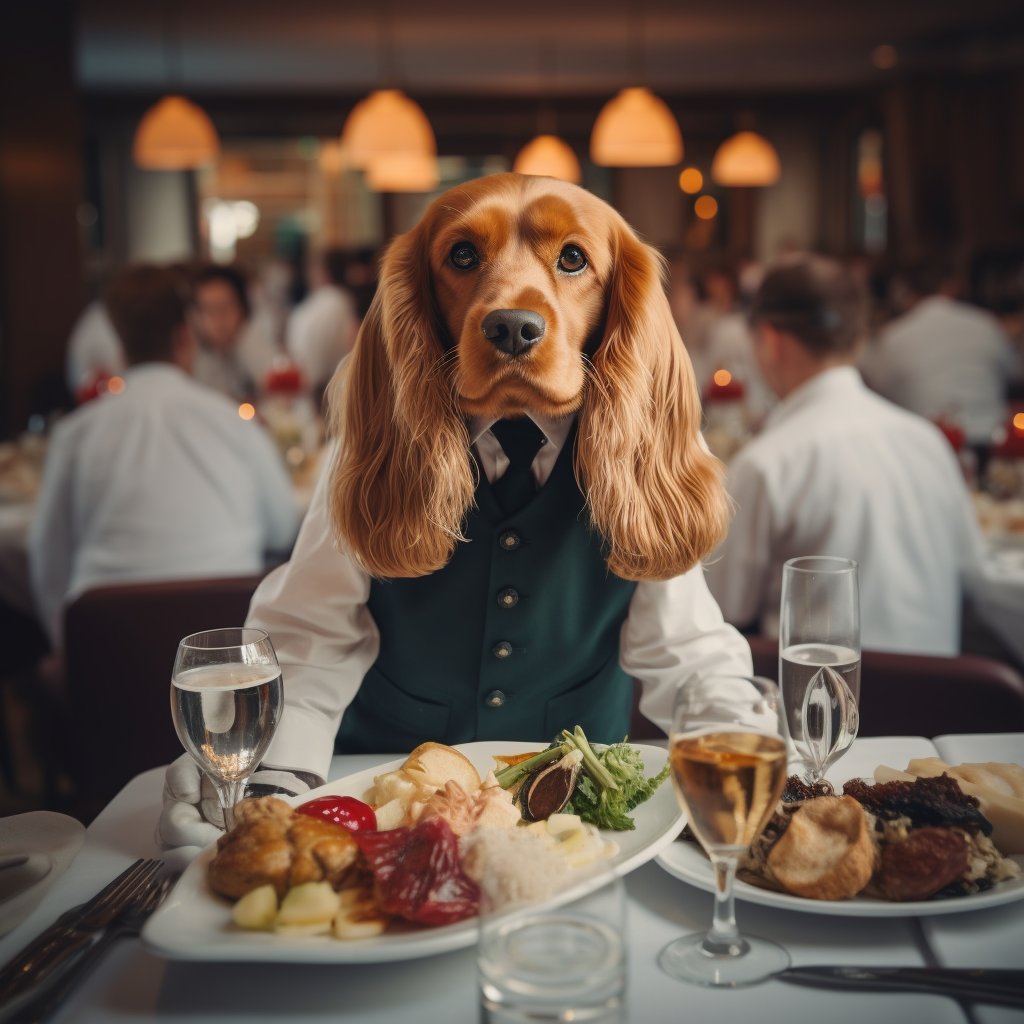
128, 924
74, 930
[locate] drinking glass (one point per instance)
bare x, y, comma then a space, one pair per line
560, 961
226, 698
728, 758
819, 659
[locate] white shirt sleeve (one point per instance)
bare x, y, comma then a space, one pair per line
314, 608
737, 571
51, 535
675, 629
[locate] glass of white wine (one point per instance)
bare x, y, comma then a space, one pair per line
819, 659
728, 759
226, 699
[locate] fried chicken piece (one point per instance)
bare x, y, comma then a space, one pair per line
935, 801
927, 861
271, 844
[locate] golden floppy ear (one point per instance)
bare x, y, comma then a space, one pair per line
402, 478
655, 492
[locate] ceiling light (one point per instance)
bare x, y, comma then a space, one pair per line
386, 123
403, 172
548, 156
636, 129
745, 160
174, 135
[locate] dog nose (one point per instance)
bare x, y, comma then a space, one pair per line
514, 331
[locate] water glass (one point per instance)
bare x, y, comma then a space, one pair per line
819, 659
226, 701
563, 962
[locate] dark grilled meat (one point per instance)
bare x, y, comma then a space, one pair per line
935, 801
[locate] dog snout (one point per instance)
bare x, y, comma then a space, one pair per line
513, 331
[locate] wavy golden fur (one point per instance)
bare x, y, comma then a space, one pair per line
403, 479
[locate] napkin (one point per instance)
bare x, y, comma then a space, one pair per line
49, 841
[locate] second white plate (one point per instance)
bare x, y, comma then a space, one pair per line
687, 861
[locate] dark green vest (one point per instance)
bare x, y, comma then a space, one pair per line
516, 638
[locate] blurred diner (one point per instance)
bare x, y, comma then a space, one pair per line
159, 478
838, 470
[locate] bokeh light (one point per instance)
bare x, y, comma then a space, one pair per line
706, 207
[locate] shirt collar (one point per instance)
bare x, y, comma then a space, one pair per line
555, 429
833, 381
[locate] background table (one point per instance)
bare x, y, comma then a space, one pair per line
132, 985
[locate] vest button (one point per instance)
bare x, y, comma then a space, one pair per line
508, 598
495, 699
502, 650
509, 540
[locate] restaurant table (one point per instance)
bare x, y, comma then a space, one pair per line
134, 985
997, 592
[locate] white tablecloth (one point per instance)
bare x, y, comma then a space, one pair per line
132, 985
997, 594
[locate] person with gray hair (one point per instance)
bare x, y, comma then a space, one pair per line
839, 470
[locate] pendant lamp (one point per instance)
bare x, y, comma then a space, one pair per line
746, 160
174, 135
548, 156
403, 172
636, 129
386, 123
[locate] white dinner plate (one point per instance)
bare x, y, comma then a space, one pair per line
686, 860
194, 923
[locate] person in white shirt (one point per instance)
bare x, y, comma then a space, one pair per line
93, 348
944, 359
234, 352
840, 471
321, 329
161, 481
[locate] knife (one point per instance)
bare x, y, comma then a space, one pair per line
1004, 987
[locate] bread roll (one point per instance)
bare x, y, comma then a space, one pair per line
827, 852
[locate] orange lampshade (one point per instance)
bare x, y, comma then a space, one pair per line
403, 172
636, 129
174, 135
549, 156
745, 160
386, 123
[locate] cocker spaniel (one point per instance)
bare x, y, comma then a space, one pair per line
519, 294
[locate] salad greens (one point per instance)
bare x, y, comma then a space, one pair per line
612, 783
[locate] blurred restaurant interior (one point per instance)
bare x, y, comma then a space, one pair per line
896, 130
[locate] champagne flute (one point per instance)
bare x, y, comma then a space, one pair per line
226, 699
819, 659
728, 759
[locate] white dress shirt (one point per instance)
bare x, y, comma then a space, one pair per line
94, 347
162, 481
840, 471
945, 359
314, 608
320, 331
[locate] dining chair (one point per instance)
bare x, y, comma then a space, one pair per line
925, 695
908, 694
119, 648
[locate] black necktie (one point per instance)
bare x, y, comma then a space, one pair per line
520, 439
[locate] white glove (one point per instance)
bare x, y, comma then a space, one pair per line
191, 818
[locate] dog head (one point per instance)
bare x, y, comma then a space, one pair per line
518, 294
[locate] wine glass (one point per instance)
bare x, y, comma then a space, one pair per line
226, 699
728, 759
819, 659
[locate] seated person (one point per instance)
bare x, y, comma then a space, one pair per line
235, 352
161, 481
839, 470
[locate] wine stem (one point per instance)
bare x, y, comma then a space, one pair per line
724, 938
229, 792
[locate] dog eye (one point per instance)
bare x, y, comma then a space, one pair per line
572, 260
463, 256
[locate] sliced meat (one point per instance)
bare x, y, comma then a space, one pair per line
928, 860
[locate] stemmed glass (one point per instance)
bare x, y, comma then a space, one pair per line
819, 659
728, 759
226, 699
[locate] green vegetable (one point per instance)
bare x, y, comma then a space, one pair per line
612, 783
